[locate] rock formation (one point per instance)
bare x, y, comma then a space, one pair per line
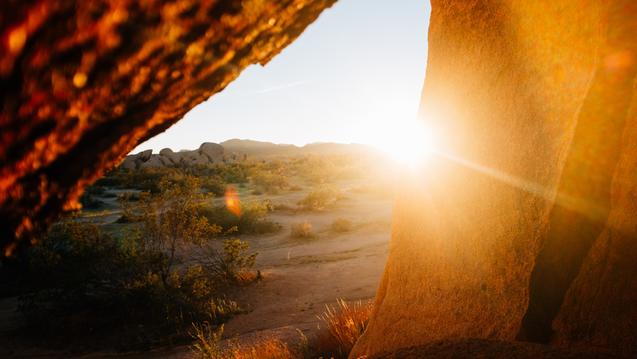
83, 82
208, 153
523, 226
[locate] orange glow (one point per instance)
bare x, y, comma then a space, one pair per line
79, 80
17, 39
233, 204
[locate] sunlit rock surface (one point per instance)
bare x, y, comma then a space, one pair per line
83, 82
523, 225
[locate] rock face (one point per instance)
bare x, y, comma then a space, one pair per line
208, 153
523, 224
83, 82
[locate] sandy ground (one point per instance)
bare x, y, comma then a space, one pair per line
301, 276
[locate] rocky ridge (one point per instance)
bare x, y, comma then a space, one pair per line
207, 153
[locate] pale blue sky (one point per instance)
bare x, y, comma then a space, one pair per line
354, 75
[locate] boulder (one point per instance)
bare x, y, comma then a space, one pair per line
197, 158
521, 226
213, 151
165, 161
173, 157
145, 155
153, 161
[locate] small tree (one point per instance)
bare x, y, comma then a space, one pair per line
171, 220
232, 264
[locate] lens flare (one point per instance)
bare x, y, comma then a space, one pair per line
233, 204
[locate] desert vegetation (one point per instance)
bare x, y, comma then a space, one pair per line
302, 230
156, 258
341, 325
207, 345
320, 199
139, 286
341, 225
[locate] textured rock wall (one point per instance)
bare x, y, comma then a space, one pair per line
522, 226
83, 82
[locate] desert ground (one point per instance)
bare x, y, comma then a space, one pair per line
299, 277
302, 276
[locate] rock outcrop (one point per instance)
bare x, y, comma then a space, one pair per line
83, 82
208, 153
523, 226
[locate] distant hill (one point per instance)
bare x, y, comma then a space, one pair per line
266, 149
257, 148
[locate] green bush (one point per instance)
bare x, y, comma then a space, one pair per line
302, 230
251, 220
139, 289
341, 225
320, 199
233, 264
214, 185
269, 182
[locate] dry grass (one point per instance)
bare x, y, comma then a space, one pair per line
341, 326
207, 345
265, 349
206, 341
302, 230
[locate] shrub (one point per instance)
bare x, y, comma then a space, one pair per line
138, 288
214, 185
269, 182
148, 179
172, 219
283, 207
341, 225
232, 265
252, 220
302, 230
318, 200
341, 326
233, 172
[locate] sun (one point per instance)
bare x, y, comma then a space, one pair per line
407, 142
